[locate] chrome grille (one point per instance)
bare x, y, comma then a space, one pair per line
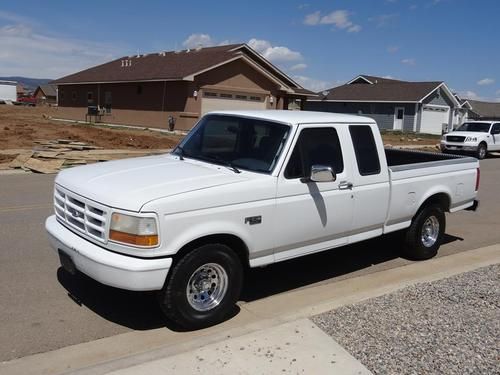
81, 214
455, 138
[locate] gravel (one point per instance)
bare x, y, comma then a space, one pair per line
450, 326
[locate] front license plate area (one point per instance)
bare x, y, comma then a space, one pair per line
66, 262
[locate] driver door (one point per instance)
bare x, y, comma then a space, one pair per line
313, 216
495, 135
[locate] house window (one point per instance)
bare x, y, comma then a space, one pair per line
241, 97
61, 95
256, 98
226, 96
209, 94
73, 96
139, 89
90, 97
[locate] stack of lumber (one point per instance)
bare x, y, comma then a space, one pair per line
50, 156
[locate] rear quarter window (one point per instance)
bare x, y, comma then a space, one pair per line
365, 149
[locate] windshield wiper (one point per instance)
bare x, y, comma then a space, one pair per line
226, 163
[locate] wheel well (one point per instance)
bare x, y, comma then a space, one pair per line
441, 199
483, 143
230, 240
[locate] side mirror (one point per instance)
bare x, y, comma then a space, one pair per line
322, 173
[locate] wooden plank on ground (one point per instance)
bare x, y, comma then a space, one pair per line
40, 166
46, 154
19, 161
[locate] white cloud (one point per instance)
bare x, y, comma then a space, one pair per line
338, 18
383, 19
485, 81
392, 49
313, 18
26, 52
300, 66
274, 53
388, 77
198, 40
354, 29
408, 61
313, 84
468, 94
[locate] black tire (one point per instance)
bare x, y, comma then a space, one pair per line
482, 151
420, 246
176, 300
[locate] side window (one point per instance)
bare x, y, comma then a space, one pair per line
365, 150
495, 129
315, 146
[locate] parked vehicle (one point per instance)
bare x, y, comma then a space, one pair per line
476, 137
248, 189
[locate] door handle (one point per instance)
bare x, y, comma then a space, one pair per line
345, 185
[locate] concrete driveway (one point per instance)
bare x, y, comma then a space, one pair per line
43, 308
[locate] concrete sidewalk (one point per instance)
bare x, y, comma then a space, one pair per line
299, 347
265, 324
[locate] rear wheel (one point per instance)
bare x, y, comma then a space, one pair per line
481, 152
425, 234
203, 287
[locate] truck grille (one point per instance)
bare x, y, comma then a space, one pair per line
81, 214
455, 138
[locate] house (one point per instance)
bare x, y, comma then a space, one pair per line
146, 89
8, 91
46, 94
424, 107
479, 110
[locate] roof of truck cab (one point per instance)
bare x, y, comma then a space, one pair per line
299, 117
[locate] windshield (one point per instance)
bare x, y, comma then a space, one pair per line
474, 127
236, 142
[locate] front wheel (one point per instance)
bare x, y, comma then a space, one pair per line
203, 287
425, 234
481, 151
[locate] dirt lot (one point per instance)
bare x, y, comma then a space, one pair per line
20, 126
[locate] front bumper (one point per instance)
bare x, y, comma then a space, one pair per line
458, 147
117, 270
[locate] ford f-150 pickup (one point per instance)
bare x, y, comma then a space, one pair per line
474, 137
248, 189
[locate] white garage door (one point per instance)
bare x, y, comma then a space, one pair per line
433, 118
221, 101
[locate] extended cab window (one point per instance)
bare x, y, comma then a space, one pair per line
365, 150
315, 146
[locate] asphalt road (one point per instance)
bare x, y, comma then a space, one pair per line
37, 313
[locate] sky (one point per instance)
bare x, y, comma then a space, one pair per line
321, 44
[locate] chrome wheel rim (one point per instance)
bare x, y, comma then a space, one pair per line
207, 287
430, 231
482, 152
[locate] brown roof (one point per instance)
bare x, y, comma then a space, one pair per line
394, 91
485, 109
47, 90
174, 65
375, 79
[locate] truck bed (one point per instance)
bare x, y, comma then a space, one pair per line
398, 159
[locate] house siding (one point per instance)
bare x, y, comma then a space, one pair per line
382, 113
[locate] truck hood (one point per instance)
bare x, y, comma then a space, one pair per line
130, 183
469, 134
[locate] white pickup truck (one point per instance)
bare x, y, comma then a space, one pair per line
474, 137
248, 189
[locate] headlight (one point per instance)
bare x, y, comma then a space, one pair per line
133, 230
471, 139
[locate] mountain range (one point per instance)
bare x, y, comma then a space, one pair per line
28, 83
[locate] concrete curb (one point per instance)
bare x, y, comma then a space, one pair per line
134, 348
